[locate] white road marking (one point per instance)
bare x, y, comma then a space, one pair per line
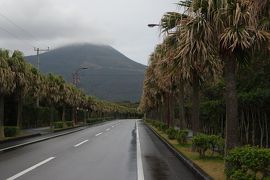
80, 143
108, 129
99, 134
30, 169
112, 126
139, 155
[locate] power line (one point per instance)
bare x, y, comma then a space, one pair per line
16, 37
19, 27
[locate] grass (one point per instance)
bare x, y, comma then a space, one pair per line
212, 165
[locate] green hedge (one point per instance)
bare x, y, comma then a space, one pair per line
248, 163
98, 119
69, 123
202, 142
58, 125
11, 131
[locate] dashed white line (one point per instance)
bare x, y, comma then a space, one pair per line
30, 169
80, 143
99, 134
139, 155
108, 129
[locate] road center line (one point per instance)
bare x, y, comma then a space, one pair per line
30, 169
139, 155
108, 129
99, 134
80, 143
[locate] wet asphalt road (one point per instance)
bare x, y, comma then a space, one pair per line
104, 152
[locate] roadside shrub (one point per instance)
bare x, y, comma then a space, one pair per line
94, 120
58, 125
248, 162
163, 127
201, 143
171, 132
11, 131
69, 123
217, 144
182, 136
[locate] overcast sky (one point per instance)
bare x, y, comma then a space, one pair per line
25, 24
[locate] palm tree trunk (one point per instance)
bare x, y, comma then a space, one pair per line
195, 104
51, 116
168, 112
63, 113
232, 123
2, 106
19, 110
73, 115
181, 107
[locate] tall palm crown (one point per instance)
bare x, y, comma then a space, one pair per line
7, 84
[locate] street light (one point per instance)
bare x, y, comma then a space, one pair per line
76, 75
153, 25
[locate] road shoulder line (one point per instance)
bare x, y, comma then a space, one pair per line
140, 173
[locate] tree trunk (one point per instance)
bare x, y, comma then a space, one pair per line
19, 110
232, 123
2, 107
195, 104
63, 113
51, 116
172, 114
168, 113
73, 115
181, 107
266, 131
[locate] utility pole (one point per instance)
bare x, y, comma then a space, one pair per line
76, 76
38, 50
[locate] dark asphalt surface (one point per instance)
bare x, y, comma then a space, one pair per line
103, 152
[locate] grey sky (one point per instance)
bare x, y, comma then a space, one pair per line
119, 23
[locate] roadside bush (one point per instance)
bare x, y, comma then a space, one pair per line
248, 162
58, 125
217, 144
94, 120
11, 131
171, 132
182, 136
202, 142
69, 123
163, 127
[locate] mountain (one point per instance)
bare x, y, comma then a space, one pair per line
110, 74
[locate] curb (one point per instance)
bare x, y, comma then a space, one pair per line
195, 168
20, 138
39, 140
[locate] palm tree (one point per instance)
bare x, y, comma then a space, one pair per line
237, 31
52, 95
6, 85
195, 58
23, 77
